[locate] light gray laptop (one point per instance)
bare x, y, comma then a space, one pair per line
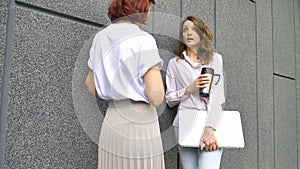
229, 133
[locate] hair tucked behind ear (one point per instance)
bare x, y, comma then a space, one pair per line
206, 48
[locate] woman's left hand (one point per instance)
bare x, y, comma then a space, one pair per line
208, 140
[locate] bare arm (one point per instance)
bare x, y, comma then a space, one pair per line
154, 86
89, 82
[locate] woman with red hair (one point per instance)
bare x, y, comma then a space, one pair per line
125, 70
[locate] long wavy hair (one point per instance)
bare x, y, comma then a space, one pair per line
206, 47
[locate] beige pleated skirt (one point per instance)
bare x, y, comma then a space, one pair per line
130, 137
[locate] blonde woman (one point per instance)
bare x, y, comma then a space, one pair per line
194, 51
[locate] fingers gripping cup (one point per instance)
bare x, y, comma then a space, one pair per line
204, 92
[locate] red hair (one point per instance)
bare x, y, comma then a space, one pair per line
135, 10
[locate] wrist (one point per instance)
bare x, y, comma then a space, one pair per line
210, 129
187, 91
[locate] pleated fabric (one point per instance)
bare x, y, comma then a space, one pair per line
130, 137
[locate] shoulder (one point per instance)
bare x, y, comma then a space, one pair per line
217, 62
146, 37
99, 35
102, 31
174, 61
218, 57
140, 38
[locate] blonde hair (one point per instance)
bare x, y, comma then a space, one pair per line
206, 48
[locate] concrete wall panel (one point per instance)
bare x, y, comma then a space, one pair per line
235, 23
284, 38
285, 123
92, 10
42, 128
204, 9
167, 20
297, 36
265, 85
3, 19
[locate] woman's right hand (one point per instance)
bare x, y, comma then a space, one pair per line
208, 140
201, 82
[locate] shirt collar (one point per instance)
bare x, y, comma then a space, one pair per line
187, 58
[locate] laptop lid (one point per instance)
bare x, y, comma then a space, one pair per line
192, 122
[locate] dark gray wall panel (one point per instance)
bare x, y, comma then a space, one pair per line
265, 85
203, 9
43, 130
167, 19
3, 18
285, 123
94, 10
170, 7
284, 37
235, 23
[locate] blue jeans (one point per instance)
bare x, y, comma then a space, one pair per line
194, 158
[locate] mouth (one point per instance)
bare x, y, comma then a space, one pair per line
189, 39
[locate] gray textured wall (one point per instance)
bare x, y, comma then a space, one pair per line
297, 36
3, 18
265, 95
235, 40
285, 108
3, 25
45, 127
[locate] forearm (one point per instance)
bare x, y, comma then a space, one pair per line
89, 82
154, 86
174, 97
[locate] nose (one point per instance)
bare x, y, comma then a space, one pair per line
190, 32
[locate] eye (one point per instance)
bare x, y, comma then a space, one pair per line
185, 30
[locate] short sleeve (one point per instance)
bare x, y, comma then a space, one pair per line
91, 61
149, 55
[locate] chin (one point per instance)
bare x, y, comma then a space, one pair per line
191, 45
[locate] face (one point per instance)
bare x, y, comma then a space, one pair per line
190, 36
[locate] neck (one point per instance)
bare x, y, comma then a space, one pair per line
124, 21
129, 21
192, 54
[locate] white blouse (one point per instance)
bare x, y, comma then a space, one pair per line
181, 73
120, 56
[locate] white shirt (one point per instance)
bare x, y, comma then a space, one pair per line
120, 56
181, 73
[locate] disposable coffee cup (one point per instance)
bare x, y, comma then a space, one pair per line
210, 73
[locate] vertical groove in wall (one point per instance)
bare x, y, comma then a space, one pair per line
215, 23
5, 78
257, 116
295, 40
273, 85
296, 79
181, 4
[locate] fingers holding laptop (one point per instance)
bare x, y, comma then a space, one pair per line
208, 140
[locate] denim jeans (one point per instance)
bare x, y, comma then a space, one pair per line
194, 158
